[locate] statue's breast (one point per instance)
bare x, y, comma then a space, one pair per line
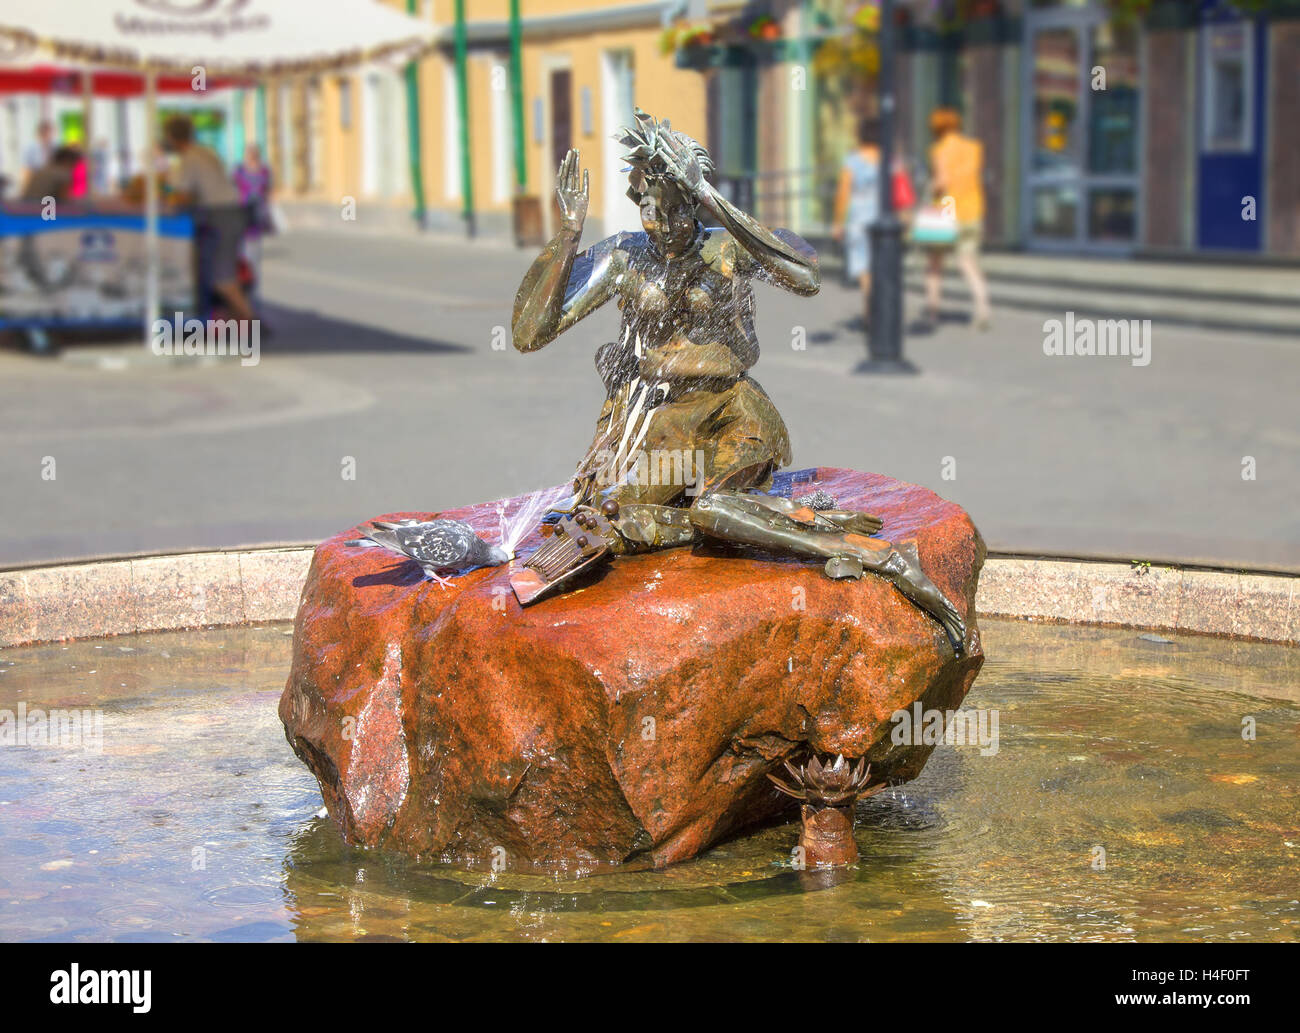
690, 298
700, 302
711, 296
641, 289
651, 300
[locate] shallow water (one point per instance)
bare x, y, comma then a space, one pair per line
194, 821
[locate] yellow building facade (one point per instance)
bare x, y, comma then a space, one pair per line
585, 64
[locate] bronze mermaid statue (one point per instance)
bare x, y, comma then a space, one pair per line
679, 393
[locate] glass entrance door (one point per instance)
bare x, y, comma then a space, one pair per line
1080, 131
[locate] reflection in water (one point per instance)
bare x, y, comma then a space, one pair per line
1122, 803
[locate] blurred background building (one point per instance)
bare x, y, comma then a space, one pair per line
1111, 131
1188, 127
1125, 127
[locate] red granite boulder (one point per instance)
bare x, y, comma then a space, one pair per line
635, 717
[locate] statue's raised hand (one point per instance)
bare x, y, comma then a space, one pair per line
685, 164
573, 191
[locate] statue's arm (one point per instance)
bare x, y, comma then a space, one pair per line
562, 286
781, 257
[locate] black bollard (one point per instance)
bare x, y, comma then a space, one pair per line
885, 332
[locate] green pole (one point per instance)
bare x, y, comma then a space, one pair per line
462, 105
517, 97
413, 130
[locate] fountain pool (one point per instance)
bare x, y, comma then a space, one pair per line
1122, 803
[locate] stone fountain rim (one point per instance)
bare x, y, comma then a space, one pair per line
171, 591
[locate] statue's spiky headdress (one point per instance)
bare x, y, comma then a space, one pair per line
653, 152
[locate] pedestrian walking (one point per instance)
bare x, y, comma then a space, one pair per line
199, 182
956, 183
857, 205
253, 179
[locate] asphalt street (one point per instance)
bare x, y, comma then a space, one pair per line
391, 360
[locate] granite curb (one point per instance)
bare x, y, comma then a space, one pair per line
211, 589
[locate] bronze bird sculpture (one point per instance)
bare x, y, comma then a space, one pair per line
436, 545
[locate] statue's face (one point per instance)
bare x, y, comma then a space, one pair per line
667, 216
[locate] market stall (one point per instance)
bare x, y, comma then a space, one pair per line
82, 262
261, 40
88, 269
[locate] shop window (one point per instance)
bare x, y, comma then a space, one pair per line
1056, 212
1113, 111
1112, 215
1228, 77
1055, 99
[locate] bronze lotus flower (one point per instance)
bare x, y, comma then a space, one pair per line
835, 783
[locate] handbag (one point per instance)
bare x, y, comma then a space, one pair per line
934, 227
904, 192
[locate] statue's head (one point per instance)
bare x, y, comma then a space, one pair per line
656, 181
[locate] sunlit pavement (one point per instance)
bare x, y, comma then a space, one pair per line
391, 355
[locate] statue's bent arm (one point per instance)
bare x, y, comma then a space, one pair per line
562, 286
781, 257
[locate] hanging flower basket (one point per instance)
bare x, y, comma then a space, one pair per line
685, 35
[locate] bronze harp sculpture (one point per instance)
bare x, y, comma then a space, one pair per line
677, 383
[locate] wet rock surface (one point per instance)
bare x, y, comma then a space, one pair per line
634, 718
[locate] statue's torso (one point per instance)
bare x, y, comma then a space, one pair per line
690, 316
